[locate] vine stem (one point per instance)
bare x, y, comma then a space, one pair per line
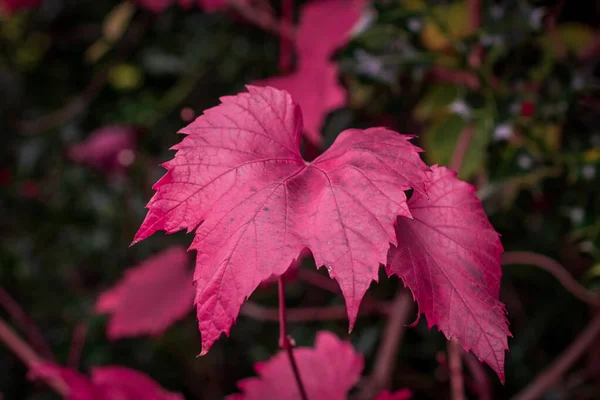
20, 317
391, 338
552, 374
26, 354
285, 342
553, 267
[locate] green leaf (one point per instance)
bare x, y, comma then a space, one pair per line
434, 102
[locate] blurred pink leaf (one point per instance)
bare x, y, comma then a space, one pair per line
150, 297
328, 371
314, 85
106, 383
109, 149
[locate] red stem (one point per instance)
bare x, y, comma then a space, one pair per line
286, 343
20, 317
553, 267
77, 342
29, 357
462, 146
554, 371
285, 44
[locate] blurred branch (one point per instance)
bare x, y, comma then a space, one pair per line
383, 365
475, 13
481, 383
553, 267
19, 316
554, 371
457, 77
29, 357
77, 343
317, 280
457, 381
81, 102
262, 19
326, 313
462, 146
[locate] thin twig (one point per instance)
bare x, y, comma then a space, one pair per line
29, 357
20, 317
553, 267
315, 279
457, 381
481, 381
462, 146
77, 342
554, 371
383, 366
285, 342
307, 314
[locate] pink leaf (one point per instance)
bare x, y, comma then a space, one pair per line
317, 36
315, 85
151, 296
328, 372
10, 6
110, 148
403, 394
317, 91
107, 383
238, 177
449, 256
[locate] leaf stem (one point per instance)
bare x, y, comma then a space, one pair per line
26, 354
285, 342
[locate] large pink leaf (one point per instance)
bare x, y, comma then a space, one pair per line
150, 297
314, 85
449, 256
106, 383
328, 372
238, 177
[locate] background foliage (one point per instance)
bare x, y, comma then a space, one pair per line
522, 87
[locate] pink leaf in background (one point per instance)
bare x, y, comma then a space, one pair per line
316, 90
150, 297
10, 6
403, 394
106, 383
449, 256
238, 177
110, 148
328, 372
325, 26
314, 85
